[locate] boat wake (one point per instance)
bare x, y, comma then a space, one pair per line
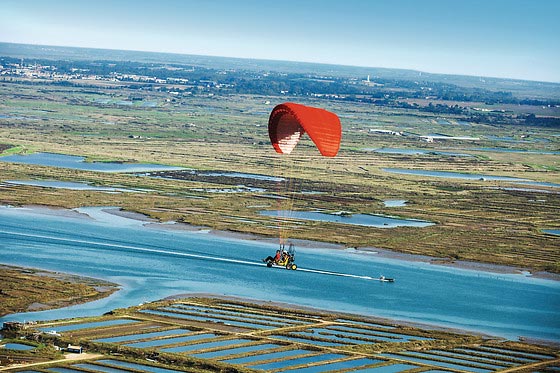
190, 255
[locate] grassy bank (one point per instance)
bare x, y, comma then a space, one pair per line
23, 289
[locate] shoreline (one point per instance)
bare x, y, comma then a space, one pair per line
102, 289
140, 220
378, 252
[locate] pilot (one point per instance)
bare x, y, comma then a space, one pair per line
275, 259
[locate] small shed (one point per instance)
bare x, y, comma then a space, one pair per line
74, 349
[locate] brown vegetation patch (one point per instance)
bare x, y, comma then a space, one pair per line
31, 290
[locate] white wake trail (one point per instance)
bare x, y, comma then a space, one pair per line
178, 253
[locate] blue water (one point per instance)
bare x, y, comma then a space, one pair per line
75, 162
295, 339
242, 324
99, 368
100, 324
449, 174
407, 151
339, 330
237, 189
243, 176
335, 367
512, 140
205, 345
211, 311
438, 363
134, 337
140, 367
17, 117
152, 263
540, 183
170, 341
509, 150
237, 350
63, 370
454, 360
297, 361
394, 368
367, 220
68, 185
267, 356
18, 346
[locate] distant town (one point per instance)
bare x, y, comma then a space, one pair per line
473, 104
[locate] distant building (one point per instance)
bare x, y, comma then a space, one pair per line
386, 132
431, 138
74, 349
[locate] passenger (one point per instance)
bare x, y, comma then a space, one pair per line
274, 259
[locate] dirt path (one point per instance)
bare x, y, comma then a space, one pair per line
73, 357
531, 367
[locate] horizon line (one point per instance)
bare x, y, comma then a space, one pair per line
288, 61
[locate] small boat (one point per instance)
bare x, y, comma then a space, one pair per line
386, 279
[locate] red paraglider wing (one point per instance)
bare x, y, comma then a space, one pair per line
289, 121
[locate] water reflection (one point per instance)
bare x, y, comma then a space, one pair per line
70, 185
417, 152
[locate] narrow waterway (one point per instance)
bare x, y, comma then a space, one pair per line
154, 262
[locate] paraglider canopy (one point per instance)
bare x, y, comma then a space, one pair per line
289, 121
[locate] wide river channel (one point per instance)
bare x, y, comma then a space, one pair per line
154, 261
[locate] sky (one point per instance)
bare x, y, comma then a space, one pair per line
493, 38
